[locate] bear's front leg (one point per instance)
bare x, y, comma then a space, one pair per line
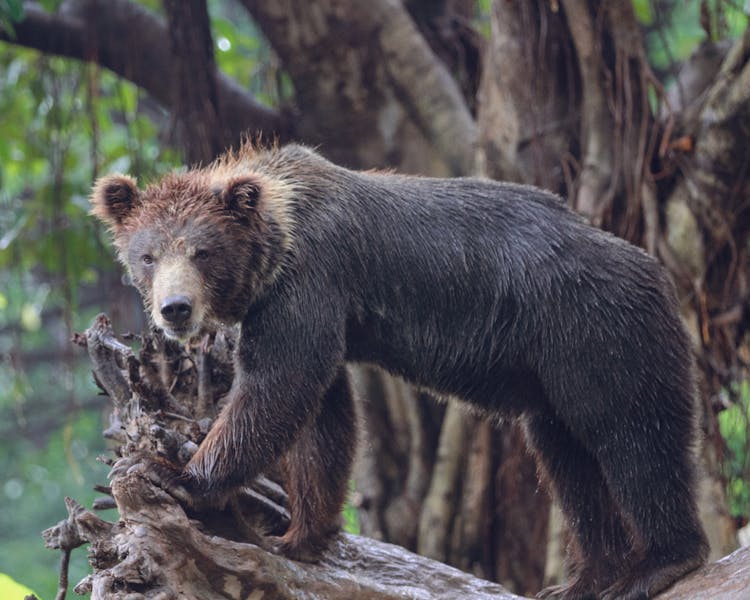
290, 396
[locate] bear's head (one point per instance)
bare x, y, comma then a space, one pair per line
199, 246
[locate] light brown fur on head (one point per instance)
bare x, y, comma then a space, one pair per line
177, 276
117, 201
275, 181
241, 205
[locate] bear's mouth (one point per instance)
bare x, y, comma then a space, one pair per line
183, 333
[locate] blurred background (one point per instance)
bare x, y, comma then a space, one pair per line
637, 112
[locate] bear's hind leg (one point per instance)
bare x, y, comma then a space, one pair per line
652, 481
601, 545
316, 472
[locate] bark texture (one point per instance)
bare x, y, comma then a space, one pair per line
375, 93
195, 94
163, 398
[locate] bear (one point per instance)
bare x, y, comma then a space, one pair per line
493, 293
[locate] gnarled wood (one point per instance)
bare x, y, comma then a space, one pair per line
160, 549
166, 552
157, 547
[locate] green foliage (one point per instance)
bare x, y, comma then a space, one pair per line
50, 5
674, 30
482, 17
351, 519
11, 11
57, 135
734, 424
37, 475
63, 123
243, 54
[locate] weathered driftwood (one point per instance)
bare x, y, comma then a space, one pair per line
158, 551
164, 399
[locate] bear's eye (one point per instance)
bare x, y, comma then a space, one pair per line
201, 255
147, 260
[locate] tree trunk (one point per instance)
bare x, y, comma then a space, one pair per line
195, 91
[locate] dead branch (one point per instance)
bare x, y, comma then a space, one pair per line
109, 357
163, 551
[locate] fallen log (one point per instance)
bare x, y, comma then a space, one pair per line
164, 398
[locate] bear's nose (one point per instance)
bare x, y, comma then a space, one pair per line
176, 310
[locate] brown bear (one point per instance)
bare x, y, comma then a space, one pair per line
491, 292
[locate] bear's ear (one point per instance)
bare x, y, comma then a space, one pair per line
241, 194
113, 198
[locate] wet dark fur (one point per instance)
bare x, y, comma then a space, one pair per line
491, 292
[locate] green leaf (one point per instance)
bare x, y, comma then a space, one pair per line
13, 9
734, 425
10, 588
643, 11
50, 5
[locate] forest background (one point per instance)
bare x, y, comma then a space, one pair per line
635, 122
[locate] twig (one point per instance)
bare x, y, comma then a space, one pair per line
103, 346
62, 583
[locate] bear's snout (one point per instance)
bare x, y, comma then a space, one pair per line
178, 304
176, 310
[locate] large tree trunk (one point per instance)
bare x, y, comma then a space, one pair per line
194, 87
590, 92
